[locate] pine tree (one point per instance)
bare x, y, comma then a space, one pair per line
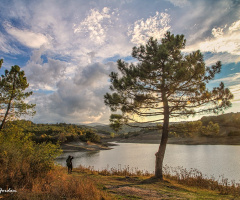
165, 83
12, 95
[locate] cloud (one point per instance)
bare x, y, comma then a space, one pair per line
27, 37
101, 34
235, 89
95, 74
93, 25
224, 44
68, 45
224, 57
224, 39
80, 98
44, 76
198, 18
6, 47
179, 3
155, 26
232, 83
230, 80
235, 26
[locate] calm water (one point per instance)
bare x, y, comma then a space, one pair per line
211, 160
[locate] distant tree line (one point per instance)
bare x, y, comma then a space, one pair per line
195, 128
227, 120
55, 133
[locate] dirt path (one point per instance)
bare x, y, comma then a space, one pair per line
135, 188
128, 191
131, 192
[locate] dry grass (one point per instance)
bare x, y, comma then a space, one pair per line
120, 171
59, 185
192, 177
87, 183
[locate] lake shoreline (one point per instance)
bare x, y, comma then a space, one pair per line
85, 146
106, 143
181, 141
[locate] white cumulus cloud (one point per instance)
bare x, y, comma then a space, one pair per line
94, 25
155, 26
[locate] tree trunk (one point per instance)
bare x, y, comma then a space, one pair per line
162, 147
9, 104
6, 114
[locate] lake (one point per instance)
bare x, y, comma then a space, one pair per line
211, 160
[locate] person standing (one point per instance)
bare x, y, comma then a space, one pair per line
69, 164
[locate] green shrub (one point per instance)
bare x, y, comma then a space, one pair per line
22, 160
210, 130
92, 137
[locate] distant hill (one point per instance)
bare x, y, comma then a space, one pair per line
224, 120
229, 123
228, 120
95, 124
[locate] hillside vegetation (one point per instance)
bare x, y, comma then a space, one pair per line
221, 129
60, 132
229, 123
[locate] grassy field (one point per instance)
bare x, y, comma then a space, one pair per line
85, 183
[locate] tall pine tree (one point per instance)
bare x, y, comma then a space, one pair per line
164, 83
12, 95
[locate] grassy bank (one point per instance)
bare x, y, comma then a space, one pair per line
86, 183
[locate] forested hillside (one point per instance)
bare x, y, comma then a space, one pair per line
226, 125
229, 123
60, 132
221, 126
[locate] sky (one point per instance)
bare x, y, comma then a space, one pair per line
68, 48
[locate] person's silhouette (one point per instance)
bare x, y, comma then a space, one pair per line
69, 164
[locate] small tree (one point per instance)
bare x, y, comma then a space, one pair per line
12, 95
164, 83
186, 129
210, 130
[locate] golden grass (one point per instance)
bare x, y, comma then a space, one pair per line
194, 177
180, 175
57, 184
87, 183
